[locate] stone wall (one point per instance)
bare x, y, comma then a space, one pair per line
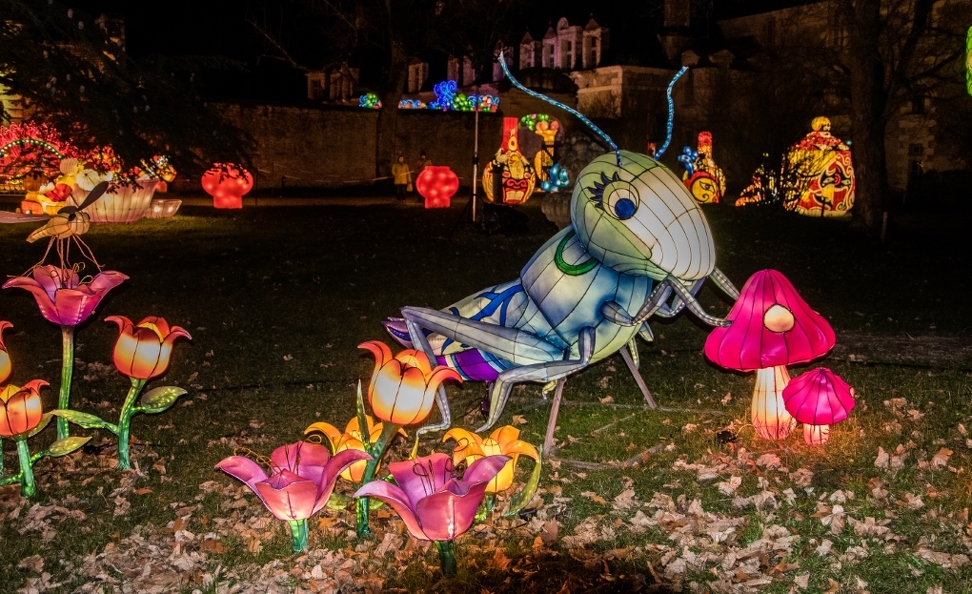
317, 146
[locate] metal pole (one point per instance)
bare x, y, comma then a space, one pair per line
475, 174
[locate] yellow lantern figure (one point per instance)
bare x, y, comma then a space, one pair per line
821, 174
351, 439
504, 441
509, 178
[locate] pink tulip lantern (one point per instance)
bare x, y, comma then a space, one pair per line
772, 327
227, 183
437, 184
818, 399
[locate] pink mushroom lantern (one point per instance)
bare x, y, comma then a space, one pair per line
227, 183
818, 399
772, 327
437, 184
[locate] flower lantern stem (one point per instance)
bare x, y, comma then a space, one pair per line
770, 418
125, 423
67, 372
816, 434
298, 534
27, 486
377, 450
447, 556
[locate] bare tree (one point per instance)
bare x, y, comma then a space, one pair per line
70, 74
897, 49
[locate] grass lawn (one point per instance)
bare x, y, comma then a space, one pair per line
277, 300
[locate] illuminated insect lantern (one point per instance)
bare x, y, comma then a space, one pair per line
227, 183
637, 245
772, 327
437, 184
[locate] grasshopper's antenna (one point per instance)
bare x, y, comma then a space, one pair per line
566, 108
671, 112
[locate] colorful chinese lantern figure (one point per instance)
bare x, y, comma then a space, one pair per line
818, 399
509, 178
819, 176
437, 184
762, 190
227, 183
703, 178
772, 327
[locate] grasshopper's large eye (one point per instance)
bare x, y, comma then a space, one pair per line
622, 202
616, 196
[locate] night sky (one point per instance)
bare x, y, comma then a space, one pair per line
220, 27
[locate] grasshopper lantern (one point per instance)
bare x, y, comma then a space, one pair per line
638, 245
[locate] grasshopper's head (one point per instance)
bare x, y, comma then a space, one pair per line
639, 219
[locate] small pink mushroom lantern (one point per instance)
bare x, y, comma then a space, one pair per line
818, 399
772, 327
227, 183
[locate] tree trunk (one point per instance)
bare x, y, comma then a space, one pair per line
868, 115
386, 148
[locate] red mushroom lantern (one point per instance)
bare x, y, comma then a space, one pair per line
772, 327
437, 184
227, 183
818, 399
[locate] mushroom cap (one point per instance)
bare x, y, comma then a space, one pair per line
771, 325
818, 397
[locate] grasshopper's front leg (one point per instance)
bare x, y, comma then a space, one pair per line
526, 353
420, 341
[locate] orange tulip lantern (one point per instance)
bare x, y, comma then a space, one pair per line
142, 352
227, 183
437, 184
403, 386
771, 327
21, 412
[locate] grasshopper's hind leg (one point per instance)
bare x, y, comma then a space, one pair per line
540, 372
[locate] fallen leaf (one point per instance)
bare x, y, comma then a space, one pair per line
519, 420
499, 561
729, 487
883, 459
594, 497
941, 458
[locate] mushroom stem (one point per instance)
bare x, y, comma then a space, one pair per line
770, 418
816, 434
